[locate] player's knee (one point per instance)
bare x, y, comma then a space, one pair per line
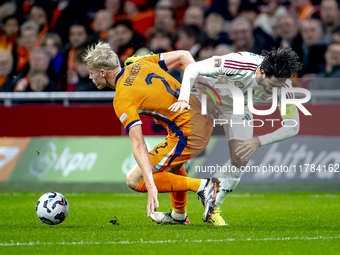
238, 162
131, 182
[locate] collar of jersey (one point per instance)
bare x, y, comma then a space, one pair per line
118, 76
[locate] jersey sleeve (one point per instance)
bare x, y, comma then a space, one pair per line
210, 66
289, 95
291, 109
229, 65
127, 112
237, 62
157, 59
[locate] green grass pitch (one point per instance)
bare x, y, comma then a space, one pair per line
260, 223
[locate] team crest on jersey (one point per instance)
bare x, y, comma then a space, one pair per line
264, 96
217, 62
239, 84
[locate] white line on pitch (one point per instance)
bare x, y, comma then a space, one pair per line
172, 241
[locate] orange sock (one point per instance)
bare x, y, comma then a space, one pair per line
169, 182
179, 198
193, 184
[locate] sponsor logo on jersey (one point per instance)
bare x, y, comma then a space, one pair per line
123, 117
239, 84
217, 62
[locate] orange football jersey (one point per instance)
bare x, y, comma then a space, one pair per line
144, 88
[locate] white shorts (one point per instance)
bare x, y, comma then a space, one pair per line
237, 127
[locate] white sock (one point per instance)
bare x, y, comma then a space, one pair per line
203, 183
178, 216
228, 184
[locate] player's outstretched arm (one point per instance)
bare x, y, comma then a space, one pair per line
204, 67
250, 146
292, 128
141, 154
179, 58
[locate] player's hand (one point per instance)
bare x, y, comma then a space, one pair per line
216, 113
248, 148
180, 105
152, 200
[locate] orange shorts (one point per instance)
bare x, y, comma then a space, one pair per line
192, 139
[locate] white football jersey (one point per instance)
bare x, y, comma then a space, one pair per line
238, 69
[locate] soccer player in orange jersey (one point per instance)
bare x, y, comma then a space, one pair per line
144, 88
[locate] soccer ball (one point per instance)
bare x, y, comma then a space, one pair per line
52, 208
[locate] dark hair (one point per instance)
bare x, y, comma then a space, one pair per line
333, 43
280, 63
125, 23
79, 22
4, 20
208, 43
162, 32
192, 31
247, 6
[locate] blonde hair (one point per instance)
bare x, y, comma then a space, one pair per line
101, 56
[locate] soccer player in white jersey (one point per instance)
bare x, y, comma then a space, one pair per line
244, 70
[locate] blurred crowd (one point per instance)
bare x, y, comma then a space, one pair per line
42, 41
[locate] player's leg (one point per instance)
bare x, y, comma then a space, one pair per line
169, 182
169, 155
179, 200
200, 129
178, 214
233, 175
235, 134
162, 158
164, 181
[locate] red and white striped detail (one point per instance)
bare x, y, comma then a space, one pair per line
289, 95
239, 65
236, 52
